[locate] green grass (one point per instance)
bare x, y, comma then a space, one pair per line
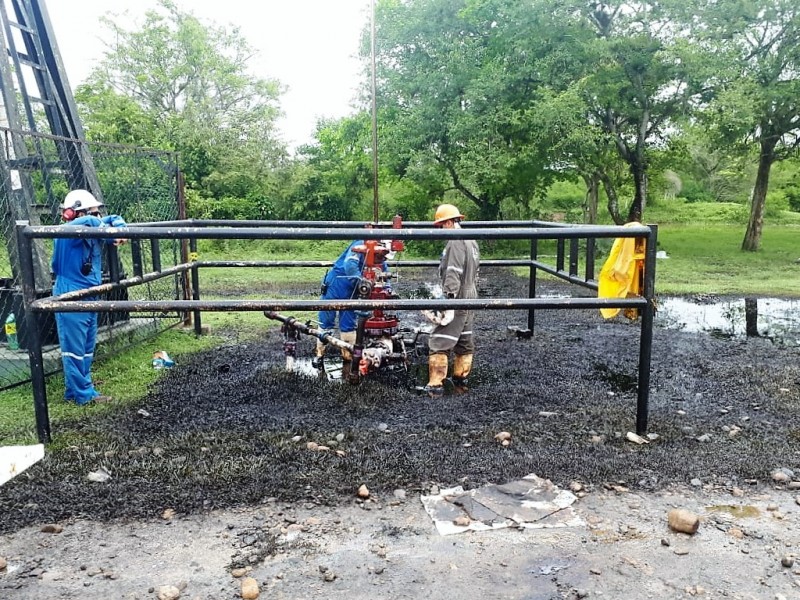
707, 258
125, 377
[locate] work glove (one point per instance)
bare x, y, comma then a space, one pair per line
113, 221
439, 317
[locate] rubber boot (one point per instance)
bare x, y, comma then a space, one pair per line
347, 357
462, 365
437, 372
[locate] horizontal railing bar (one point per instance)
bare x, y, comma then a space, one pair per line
305, 233
104, 288
504, 262
55, 305
346, 224
565, 275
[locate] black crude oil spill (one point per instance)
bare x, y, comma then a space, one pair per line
231, 427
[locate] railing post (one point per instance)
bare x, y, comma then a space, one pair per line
532, 282
646, 338
574, 250
155, 253
560, 254
113, 262
589, 276
136, 258
28, 280
198, 327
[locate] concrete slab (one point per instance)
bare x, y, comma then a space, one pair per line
15, 459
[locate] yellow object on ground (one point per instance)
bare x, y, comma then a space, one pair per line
621, 275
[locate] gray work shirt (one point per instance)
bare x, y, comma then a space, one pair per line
458, 269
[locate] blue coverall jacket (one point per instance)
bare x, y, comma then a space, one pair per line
77, 332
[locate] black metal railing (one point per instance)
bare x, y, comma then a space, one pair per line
567, 260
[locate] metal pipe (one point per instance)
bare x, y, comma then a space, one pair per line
249, 223
592, 285
574, 251
28, 279
589, 259
155, 254
104, 288
112, 256
306, 233
532, 283
136, 258
646, 338
53, 305
198, 327
522, 262
322, 335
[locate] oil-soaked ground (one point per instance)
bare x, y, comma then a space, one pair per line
219, 426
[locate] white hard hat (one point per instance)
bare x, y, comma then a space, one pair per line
80, 200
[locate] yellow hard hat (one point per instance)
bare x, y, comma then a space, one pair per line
445, 212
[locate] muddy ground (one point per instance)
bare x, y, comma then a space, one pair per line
214, 445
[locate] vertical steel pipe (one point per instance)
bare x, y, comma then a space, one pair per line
155, 253
589, 276
28, 277
574, 251
646, 337
560, 254
198, 326
136, 258
532, 282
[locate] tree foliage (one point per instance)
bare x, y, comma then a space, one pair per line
756, 104
179, 83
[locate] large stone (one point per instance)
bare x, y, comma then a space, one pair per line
250, 589
168, 592
683, 521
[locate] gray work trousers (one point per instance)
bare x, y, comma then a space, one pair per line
456, 335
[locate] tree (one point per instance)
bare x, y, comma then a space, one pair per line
757, 104
454, 96
643, 72
191, 81
337, 170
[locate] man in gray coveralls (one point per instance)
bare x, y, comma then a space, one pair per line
458, 273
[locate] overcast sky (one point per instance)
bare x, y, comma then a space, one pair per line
311, 46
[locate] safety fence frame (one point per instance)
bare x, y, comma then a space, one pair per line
193, 230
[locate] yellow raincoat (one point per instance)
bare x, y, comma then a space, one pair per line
621, 275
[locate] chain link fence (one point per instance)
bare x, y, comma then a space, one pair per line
36, 171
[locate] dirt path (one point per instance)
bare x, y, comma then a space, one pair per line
389, 549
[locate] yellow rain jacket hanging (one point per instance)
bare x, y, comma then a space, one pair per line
622, 274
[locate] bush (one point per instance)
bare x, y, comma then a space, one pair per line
199, 207
694, 192
566, 195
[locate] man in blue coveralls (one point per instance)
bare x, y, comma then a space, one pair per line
340, 283
76, 265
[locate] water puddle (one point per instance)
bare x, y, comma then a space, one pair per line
771, 318
739, 512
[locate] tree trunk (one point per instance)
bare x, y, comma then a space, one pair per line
611, 194
592, 196
752, 237
640, 195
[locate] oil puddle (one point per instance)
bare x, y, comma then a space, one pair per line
739, 512
772, 318
620, 382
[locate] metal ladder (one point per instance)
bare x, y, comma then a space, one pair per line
43, 132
